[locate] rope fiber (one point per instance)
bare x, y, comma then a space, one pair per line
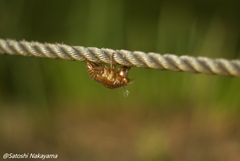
123, 57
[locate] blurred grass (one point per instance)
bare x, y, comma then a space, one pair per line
159, 26
35, 89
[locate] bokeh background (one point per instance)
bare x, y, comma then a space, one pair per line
53, 107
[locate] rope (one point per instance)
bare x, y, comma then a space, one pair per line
123, 57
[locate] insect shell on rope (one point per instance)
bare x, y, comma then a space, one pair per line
109, 77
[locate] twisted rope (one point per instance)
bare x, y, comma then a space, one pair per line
123, 57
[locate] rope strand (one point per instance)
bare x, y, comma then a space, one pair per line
123, 57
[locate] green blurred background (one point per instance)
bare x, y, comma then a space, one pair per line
53, 106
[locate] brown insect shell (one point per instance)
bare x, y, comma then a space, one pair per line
108, 76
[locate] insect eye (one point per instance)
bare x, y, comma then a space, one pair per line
121, 73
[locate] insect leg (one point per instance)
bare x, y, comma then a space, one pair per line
111, 62
126, 69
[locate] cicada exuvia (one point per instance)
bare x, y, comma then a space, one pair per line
109, 77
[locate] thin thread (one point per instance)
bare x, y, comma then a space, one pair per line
123, 57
